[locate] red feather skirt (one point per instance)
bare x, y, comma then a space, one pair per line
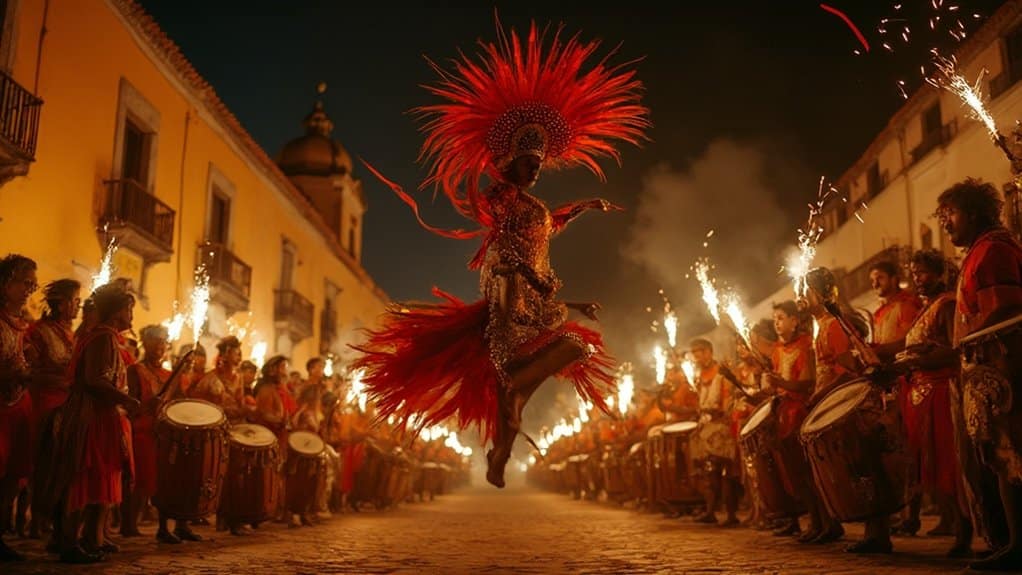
433, 361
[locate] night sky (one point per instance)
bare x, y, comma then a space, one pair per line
751, 103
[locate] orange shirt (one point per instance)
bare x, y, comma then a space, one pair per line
793, 361
894, 317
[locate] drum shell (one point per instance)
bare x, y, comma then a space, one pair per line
765, 455
613, 473
191, 463
301, 474
676, 480
252, 485
859, 460
636, 471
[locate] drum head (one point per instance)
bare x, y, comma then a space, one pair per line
636, 447
680, 427
305, 443
655, 431
758, 417
252, 435
194, 413
838, 403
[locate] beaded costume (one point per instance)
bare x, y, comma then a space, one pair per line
452, 359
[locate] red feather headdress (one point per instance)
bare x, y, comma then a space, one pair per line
519, 99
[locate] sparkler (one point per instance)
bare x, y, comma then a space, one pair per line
625, 390
660, 356
734, 312
200, 302
689, 369
328, 367
948, 78
799, 264
174, 325
670, 325
710, 295
356, 393
259, 353
105, 266
584, 407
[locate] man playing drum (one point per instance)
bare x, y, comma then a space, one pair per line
987, 331
714, 447
926, 409
223, 386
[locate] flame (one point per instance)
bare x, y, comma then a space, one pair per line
625, 391
584, 407
671, 326
328, 367
105, 266
240, 330
689, 369
259, 353
710, 295
200, 302
576, 425
660, 356
971, 95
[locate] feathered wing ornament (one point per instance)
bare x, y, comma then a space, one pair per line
519, 97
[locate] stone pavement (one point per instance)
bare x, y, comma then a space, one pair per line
483, 530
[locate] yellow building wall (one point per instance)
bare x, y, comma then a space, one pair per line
51, 214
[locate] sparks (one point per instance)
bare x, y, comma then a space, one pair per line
356, 392
200, 302
328, 367
799, 264
949, 79
689, 369
174, 325
625, 390
584, 407
660, 357
259, 353
710, 295
105, 266
671, 326
733, 309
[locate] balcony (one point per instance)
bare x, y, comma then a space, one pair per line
19, 127
229, 277
856, 282
1002, 82
935, 139
139, 221
293, 313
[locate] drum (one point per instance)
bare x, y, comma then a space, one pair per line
573, 474
676, 481
654, 460
856, 446
302, 470
191, 458
431, 479
635, 471
761, 452
613, 473
252, 485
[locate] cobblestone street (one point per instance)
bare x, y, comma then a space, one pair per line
481, 530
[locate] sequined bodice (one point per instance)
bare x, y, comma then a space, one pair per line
520, 247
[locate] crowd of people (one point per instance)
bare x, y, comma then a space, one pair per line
98, 436
839, 415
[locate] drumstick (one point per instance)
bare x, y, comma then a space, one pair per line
730, 377
866, 353
177, 371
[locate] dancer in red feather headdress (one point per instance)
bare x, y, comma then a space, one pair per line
518, 108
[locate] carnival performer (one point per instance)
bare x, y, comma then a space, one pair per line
714, 447
792, 379
519, 108
222, 385
934, 364
989, 297
17, 283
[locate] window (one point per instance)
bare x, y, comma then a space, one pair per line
288, 258
931, 120
219, 216
135, 154
1013, 50
874, 182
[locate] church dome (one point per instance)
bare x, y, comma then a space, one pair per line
315, 153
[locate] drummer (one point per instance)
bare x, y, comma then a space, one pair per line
714, 448
793, 381
271, 411
682, 403
927, 412
223, 386
989, 292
